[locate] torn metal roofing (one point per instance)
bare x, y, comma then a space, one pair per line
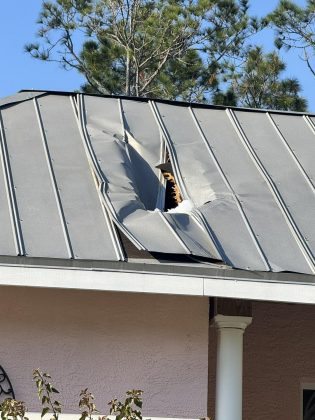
78, 171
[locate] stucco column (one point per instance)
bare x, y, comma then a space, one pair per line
229, 375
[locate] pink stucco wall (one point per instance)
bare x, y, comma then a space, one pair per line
110, 343
279, 354
114, 341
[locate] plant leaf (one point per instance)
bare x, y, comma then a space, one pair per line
45, 410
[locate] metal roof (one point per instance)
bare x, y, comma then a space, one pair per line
80, 170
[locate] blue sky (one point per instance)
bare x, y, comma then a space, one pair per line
20, 71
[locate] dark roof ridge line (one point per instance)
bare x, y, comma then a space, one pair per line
173, 102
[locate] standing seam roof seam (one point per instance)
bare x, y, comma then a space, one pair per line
86, 140
97, 175
239, 206
120, 252
159, 204
197, 215
13, 208
111, 210
123, 130
294, 157
178, 174
53, 179
160, 201
180, 241
172, 151
293, 227
91, 155
113, 234
73, 100
215, 241
121, 115
125, 135
309, 122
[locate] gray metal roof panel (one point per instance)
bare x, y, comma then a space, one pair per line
35, 199
169, 101
294, 195
197, 168
146, 150
8, 236
256, 201
152, 229
71, 169
87, 226
20, 97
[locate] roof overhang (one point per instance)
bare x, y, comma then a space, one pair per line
173, 279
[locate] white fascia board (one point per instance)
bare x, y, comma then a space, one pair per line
116, 281
274, 291
156, 283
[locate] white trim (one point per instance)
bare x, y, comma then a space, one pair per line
115, 281
236, 322
260, 290
229, 371
139, 282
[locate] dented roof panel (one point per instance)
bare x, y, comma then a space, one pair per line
76, 169
197, 168
148, 229
146, 149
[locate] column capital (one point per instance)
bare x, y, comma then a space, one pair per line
235, 322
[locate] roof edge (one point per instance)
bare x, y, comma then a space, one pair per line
21, 97
170, 268
157, 283
172, 102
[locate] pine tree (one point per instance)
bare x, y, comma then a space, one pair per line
295, 28
167, 48
258, 84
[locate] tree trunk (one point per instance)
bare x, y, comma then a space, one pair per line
128, 73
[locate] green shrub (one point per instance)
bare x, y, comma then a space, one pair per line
129, 409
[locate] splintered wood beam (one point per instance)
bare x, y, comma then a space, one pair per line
175, 190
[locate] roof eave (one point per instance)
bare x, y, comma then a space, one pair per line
147, 277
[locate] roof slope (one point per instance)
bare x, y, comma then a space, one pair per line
76, 167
